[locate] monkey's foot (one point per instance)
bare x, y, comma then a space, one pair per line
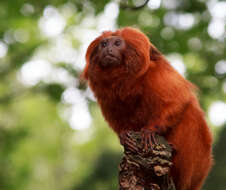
148, 139
126, 141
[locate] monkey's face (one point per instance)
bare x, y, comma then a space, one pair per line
110, 51
117, 56
113, 58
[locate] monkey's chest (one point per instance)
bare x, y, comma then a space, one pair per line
130, 114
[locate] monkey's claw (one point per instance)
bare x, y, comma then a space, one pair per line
148, 139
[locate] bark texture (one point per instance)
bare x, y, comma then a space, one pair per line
145, 170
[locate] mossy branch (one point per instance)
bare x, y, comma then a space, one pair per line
125, 5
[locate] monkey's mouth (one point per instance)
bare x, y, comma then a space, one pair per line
109, 61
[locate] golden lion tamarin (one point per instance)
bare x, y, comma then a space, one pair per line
137, 89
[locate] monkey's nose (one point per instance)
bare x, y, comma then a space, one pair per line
110, 50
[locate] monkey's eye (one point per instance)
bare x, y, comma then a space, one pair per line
118, 42
103, 44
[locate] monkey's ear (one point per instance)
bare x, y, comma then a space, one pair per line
154, 53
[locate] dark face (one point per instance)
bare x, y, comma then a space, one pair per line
110, 51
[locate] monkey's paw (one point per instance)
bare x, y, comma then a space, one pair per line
128, 142
148, 139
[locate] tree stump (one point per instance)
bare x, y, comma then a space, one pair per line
146, 170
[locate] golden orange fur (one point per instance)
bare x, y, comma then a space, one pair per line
147, 92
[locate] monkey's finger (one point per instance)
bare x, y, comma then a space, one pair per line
129, 141
147, 142
150, 143
122, 138
143, 141
153, 139
132, 147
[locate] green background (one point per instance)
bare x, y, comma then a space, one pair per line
38, 148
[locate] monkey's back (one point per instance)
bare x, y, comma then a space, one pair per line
192, 141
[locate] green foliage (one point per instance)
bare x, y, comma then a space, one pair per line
99, 5
104, 173
38, 148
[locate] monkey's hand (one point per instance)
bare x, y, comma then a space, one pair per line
127, 141
148, 139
